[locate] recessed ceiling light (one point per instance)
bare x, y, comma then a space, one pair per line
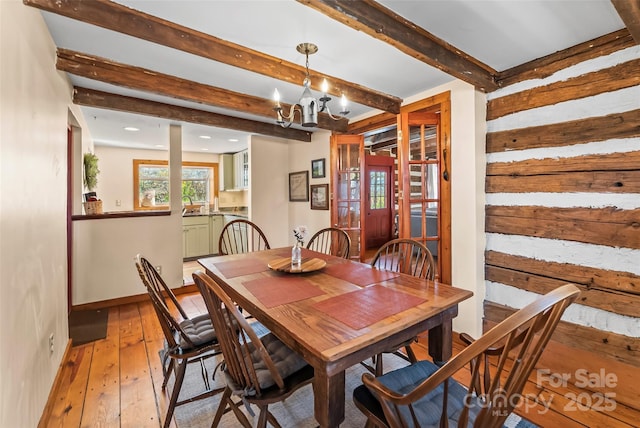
205, 137
131, 128
233, 140
204, 149
159, 145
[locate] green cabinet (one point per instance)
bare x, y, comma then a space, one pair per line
241, 170
216, 223
195, 236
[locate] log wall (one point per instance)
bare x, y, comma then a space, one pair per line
563, 201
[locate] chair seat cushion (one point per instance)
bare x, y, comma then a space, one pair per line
199, 329
286, 361
428, 408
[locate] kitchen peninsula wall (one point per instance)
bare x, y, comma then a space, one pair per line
115, 181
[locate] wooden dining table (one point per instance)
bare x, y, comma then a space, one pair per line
336, 313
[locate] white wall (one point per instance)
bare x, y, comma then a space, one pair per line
300, 157
271, 160
115, 181
268, 197
35, 103
104, 249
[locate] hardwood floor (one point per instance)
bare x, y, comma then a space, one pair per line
116, 382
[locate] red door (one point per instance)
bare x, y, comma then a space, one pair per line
379, 208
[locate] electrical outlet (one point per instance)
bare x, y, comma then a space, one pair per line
118, 202
159, 269
51, 343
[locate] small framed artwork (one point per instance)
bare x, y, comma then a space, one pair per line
319, 196
317, 168
299, 186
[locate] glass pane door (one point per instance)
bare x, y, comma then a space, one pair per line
421, 180
346, 154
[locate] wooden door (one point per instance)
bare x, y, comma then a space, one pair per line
420, 157
379, 205
347, 188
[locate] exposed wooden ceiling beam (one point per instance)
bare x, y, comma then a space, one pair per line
105, 100
122, 19
372, 123
552, 63
377, 21
629, 11
138, 78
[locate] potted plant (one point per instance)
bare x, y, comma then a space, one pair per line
91, 171
92, 204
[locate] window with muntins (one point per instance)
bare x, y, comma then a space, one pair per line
151, 184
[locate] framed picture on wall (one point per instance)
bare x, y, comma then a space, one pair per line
299, 186
317, 168
319, 196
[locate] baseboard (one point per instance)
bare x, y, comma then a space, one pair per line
57, 382
129, 299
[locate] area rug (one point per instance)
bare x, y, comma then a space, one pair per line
295, 412
87, 326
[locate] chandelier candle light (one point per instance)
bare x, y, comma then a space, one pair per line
307, 107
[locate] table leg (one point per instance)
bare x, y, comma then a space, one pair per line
441, 342
328, 397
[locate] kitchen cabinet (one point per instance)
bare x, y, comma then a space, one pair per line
216, 223
241, 172
226, 171
228, 218
195, 236
240, 233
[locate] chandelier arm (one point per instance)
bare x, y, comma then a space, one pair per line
328, 112
286, 120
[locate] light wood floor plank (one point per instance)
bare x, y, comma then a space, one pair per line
137, 398
67, 410
154, 340
102, 402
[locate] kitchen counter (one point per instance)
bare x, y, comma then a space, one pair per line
242, 213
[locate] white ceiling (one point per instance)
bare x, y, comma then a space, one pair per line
500, 33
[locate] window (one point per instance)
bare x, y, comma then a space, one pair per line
151, 184
378, 190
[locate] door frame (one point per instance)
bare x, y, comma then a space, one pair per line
440, 103
345, 139
386, 162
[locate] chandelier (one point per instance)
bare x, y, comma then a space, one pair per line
307, 107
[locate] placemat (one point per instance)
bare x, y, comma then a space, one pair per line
235, 268
280, 290
359, 274
361, 308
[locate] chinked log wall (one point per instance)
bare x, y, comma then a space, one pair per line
563, 205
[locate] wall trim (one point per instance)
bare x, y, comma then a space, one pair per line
55, 388
137, 298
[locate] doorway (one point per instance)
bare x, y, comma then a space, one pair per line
380, 200
418, 143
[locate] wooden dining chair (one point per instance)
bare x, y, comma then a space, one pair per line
331, 240
187, 340
258, 370
500, 363
241, 236
412, 258
405, 256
